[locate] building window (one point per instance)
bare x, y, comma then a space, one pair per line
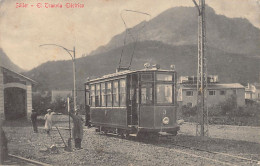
115, 94
164, 93
103, 94
222, 92
212, 93
234, 92
189, 93
122, 92
189, 104
109, 95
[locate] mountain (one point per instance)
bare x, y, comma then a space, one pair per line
232, 50
178, 26
230, 67
7, 63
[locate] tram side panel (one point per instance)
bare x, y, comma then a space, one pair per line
109, 117
164, 113
151, 118
146, 117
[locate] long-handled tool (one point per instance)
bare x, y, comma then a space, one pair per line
67, 148
61, 136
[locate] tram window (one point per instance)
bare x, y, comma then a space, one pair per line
122, 92
103, 94
92, 95
87, 102
164, 93
115, 94
109, 95
164, 77
97, 98
146, 77
147, 94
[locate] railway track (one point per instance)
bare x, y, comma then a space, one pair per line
18, 160
204, 154
201, 154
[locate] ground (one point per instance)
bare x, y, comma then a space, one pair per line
110, 150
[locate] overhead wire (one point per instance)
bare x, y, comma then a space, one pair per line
132, 36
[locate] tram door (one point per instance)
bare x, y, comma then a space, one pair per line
87, 107
132, 110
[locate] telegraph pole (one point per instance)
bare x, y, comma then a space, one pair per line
202, 112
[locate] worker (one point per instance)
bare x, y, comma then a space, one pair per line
48, 121
77, 129
34, 120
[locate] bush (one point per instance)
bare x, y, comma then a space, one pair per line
189, 111
41, 103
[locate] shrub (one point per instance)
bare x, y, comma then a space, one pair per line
189, 111
41, 103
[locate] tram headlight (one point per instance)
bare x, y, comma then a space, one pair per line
166, 120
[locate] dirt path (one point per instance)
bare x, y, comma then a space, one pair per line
241, 133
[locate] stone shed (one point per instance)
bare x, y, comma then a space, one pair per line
15, 94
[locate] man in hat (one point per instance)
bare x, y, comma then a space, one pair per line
77, 129
48, 120
34, 120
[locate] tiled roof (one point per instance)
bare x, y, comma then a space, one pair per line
8, 70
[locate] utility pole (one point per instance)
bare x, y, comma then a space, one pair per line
73, 57
202, 112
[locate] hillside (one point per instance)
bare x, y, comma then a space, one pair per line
7, 63
178, 26
229, 67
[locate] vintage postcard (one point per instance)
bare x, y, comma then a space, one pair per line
130, 82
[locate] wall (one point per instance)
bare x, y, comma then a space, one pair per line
29, 99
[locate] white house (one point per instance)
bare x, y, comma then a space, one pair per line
216, 92
252, 92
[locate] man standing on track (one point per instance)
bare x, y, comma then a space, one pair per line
77, 129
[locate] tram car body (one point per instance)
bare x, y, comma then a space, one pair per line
133, 102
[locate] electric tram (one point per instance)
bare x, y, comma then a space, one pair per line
133, 102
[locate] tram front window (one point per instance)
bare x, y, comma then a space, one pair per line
147, 94
164, 93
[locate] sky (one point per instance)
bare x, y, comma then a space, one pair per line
23, 29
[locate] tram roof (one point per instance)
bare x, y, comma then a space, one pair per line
125, 72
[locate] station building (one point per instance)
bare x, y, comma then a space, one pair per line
15, 95
216, 92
